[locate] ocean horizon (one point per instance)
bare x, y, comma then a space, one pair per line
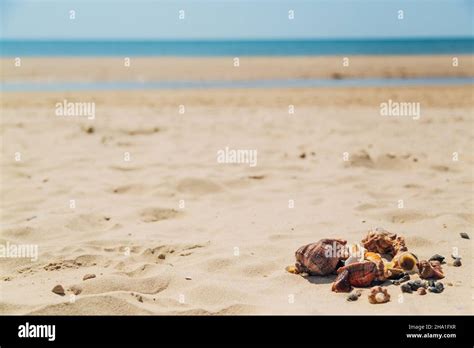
190, 48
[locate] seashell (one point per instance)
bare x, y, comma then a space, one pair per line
320, 258
406, 261
359, 274
383, 242
457, 262
377, 259
378, 295
431, 269
437, 257
391, 272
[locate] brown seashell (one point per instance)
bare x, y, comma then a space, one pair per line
320, 258
359, 274
381, 241
378, 295
430, 269
377, 259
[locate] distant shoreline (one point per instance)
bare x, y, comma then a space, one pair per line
228, 48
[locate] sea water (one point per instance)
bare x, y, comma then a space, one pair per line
9, 48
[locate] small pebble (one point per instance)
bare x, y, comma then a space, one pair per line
421, 291
88, 276
437, 257
406, 288
352, 297
449, 284
140, 298
162, 256
404, 278
464, 235
89, 130
457, 262
59, 290
437, 289
188, 278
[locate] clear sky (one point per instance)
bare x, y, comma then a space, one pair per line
235, 19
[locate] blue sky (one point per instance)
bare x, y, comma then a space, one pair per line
235, 19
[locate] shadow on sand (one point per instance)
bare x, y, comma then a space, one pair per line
321, 279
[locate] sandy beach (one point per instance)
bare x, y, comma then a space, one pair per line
137, 197
222, 68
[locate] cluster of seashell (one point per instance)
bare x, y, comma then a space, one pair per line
361, 265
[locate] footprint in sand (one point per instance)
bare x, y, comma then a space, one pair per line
19, 232
407, 216
158, 214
